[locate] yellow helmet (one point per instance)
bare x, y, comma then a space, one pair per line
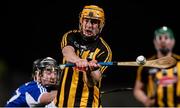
93, 12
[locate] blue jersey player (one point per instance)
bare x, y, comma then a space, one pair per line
42, 90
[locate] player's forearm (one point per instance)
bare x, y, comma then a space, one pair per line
93, 77
141, 96
94, 70
48, 97
96, 75
69, 54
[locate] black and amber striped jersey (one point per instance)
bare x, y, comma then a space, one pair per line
162, 84
73, 91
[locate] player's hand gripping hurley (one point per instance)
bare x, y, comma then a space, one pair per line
164, 62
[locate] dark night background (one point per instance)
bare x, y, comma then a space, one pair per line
33, 29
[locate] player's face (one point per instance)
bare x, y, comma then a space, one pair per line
49, 76
164, 42
90, 27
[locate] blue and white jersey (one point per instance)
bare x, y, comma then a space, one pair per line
27, 95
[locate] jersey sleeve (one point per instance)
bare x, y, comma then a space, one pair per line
35, 93
104, 56
142, 75
139, 73
67, 39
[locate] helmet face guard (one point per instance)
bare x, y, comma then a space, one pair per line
47, 66
93, 12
